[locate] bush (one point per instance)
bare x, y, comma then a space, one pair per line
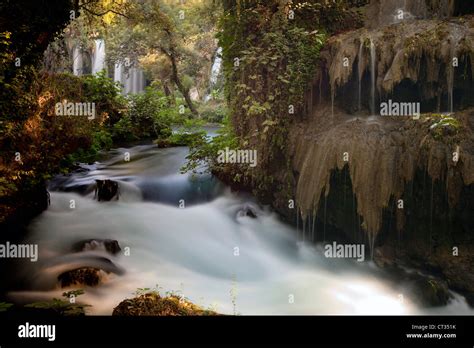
189, 134
203, 151
149, 115
213, 112
105, 93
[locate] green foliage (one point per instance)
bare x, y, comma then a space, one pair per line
203, 151
143, 291
62, 306
50, 143
105, 93
150, 115
4, 306
213, 111
444, 127
276, 64
190, 133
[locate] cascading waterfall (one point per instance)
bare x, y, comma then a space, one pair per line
118, 72
360, 72
450, 88
133, 80
450, 78
215, 71
216, 67
98, 61
77, 61
372, 76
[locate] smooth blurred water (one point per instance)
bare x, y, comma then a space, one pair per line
192, 250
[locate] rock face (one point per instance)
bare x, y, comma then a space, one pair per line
424, 290
431, 293
152, 304
404, 186
427, 61
383, 157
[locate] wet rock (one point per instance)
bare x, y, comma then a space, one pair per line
106, 190
249, 211
429, 292
88, 276
152, 304
110, 245
469, 299
458, 270
384, 256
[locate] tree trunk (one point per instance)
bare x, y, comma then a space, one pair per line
175, 77
168, 93
184, 91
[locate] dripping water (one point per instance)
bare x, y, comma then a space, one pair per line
372, 76
360, 73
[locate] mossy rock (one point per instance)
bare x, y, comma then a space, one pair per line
430, 292
82, 276
110, 245
152, 304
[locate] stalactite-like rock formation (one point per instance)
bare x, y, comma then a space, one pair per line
411, 178
430, 58
382, 157
425, 61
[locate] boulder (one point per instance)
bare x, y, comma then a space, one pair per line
429, 292
152, 304
249, 211
110, 245
106, 190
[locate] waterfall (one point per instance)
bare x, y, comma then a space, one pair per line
372, 76
98, 60
332, 102
133, 81
360, 68
216, 67
215, 71
450, 87
450, 76
118, 72
77, 62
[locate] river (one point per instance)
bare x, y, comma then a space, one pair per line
206, 249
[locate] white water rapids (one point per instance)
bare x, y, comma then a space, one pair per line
191, 250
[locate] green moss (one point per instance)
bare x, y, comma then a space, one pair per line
152, 304
444, 127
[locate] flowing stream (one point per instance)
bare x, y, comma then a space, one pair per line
210, 251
